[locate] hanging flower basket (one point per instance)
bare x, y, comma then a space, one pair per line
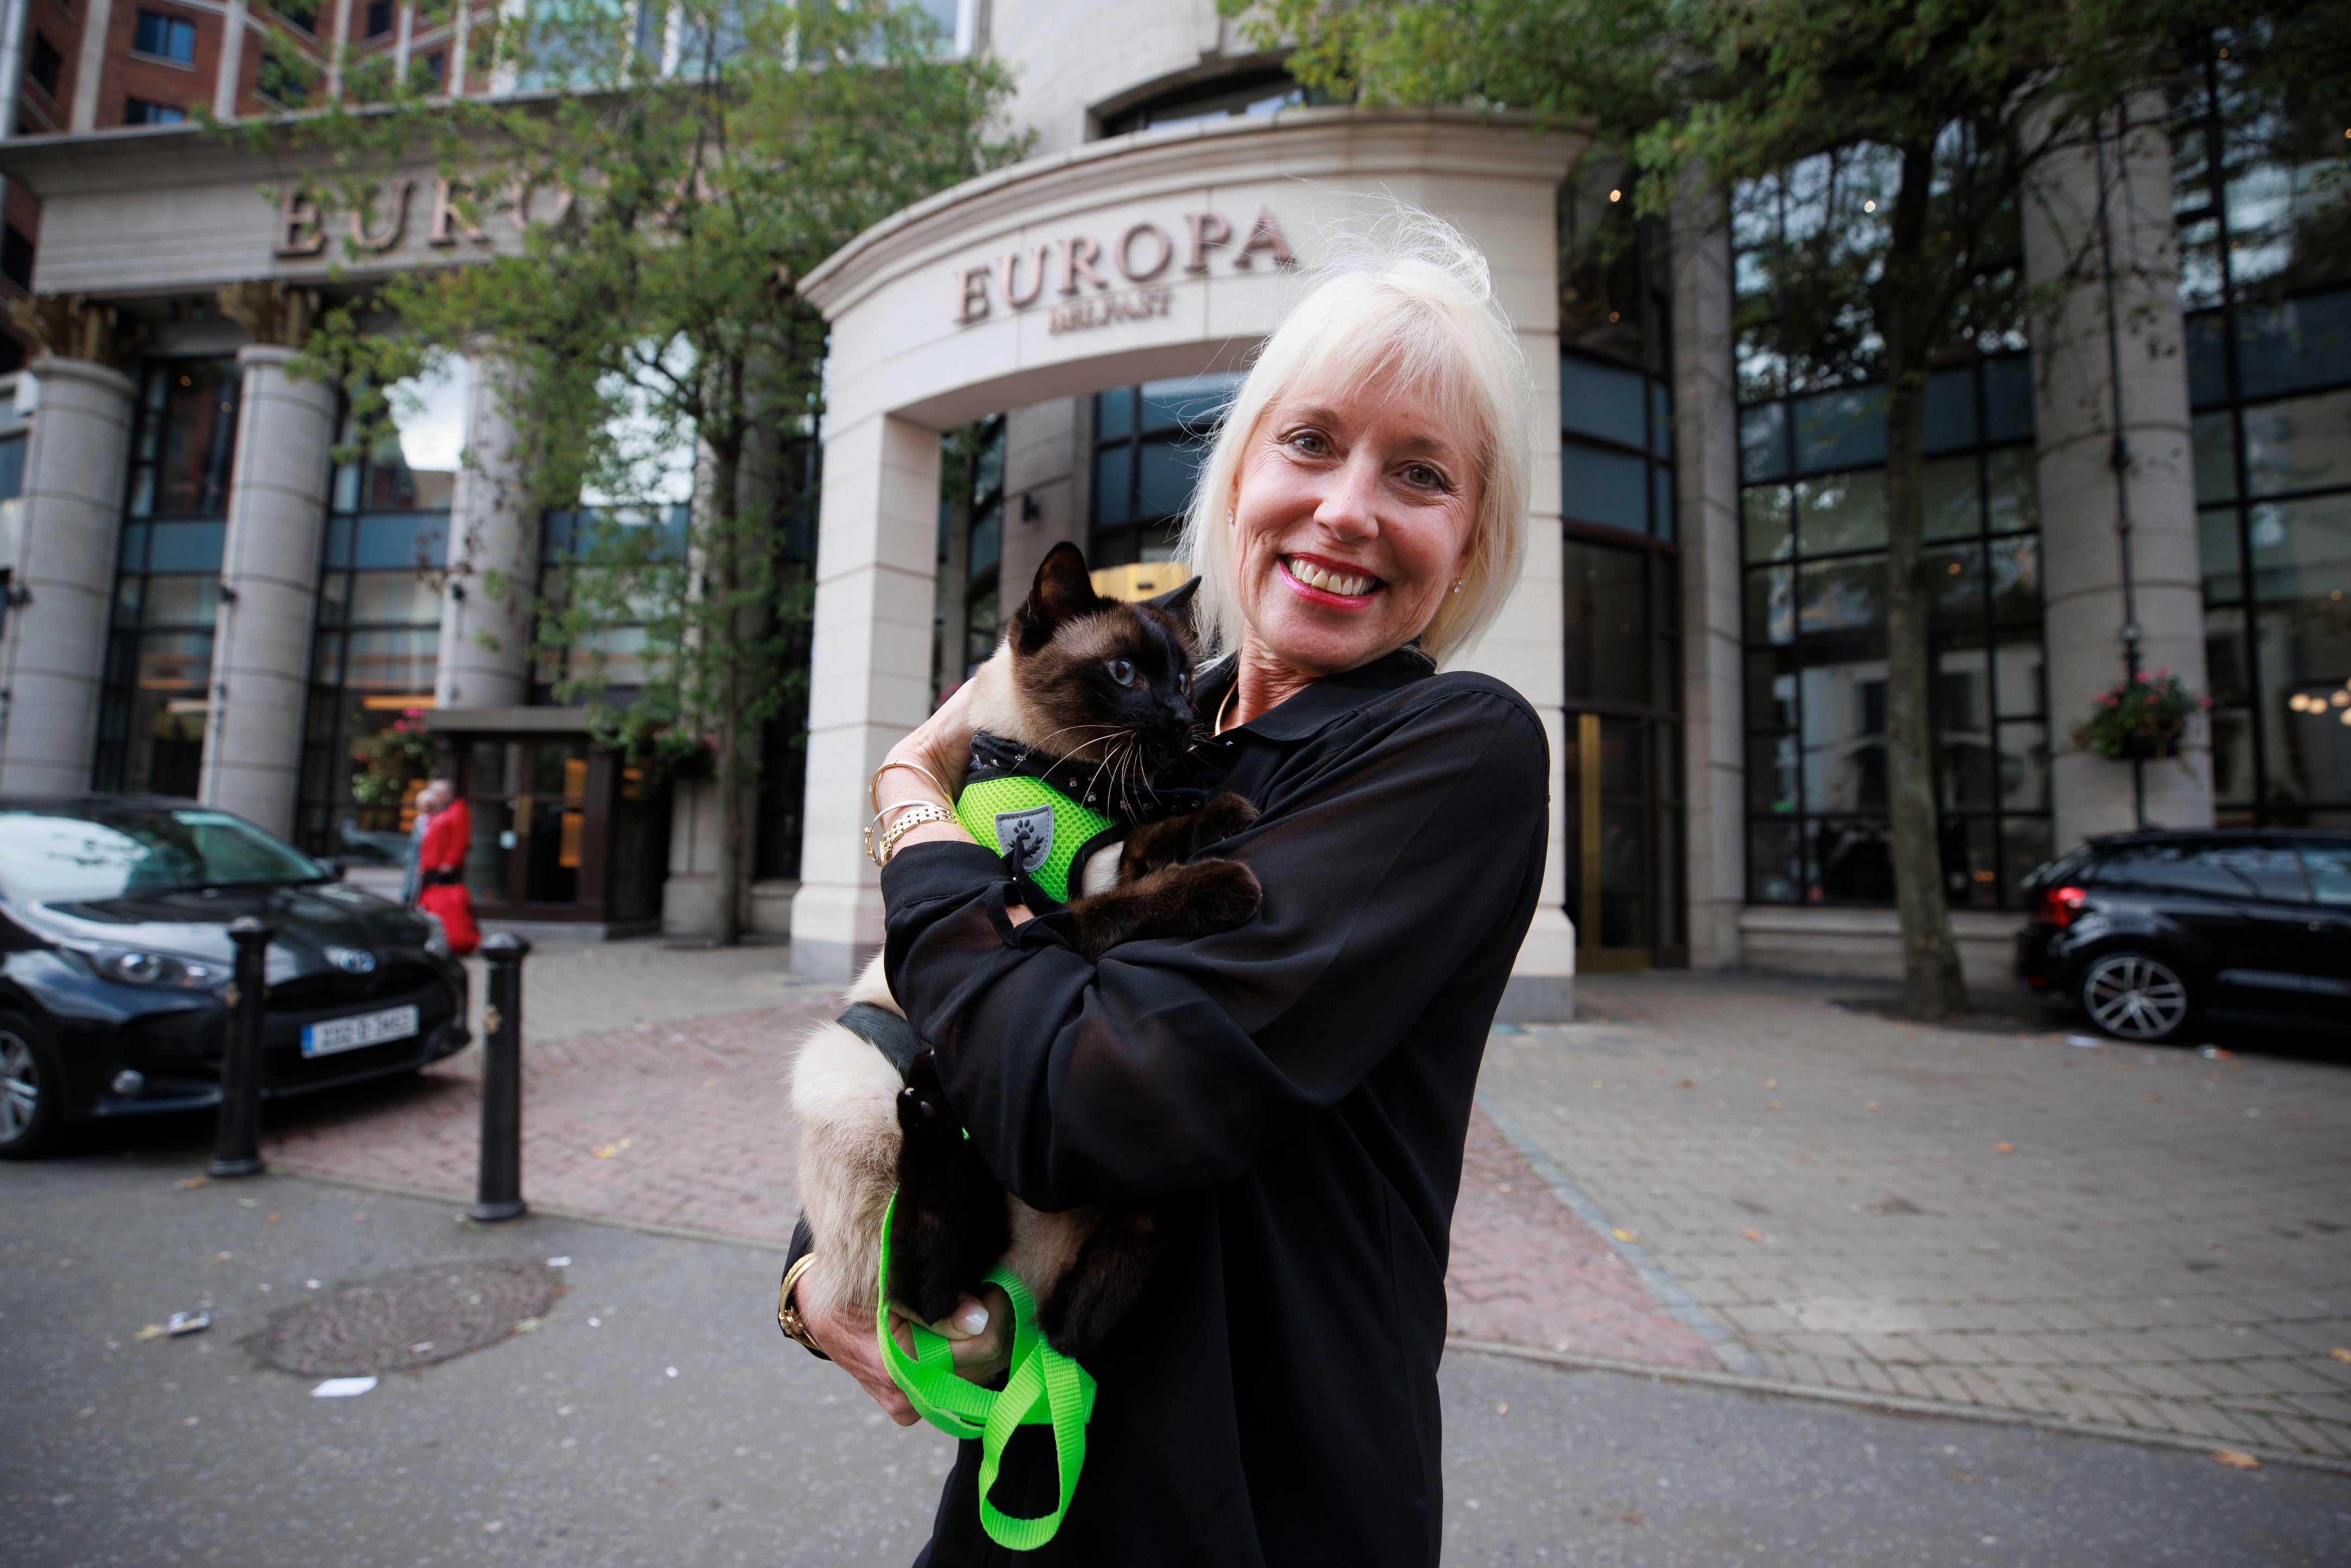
392, 760
2140, 720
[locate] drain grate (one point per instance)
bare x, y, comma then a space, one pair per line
412, 1318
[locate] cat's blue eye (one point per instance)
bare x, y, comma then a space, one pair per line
1184, 680
1121, 672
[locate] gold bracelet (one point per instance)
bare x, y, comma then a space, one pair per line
877, 852
923, 813
787, 1316
874, 787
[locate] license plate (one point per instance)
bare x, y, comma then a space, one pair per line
351, 1033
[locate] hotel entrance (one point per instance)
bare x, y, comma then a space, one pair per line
567, 833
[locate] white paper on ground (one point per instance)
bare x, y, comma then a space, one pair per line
342, 1387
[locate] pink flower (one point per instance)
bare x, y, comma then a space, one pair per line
2161, 674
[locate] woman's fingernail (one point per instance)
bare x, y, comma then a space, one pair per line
973, 1319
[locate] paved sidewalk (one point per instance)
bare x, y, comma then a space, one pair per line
1727, 1175
2141, 1238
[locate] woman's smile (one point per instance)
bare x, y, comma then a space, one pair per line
1327, 581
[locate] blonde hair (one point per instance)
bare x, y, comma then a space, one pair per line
1409, 303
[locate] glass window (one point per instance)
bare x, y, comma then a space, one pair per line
376, 649
2328, 867
146, 111
2303, 444
1610, 488
165, 37
1149, 444
1815, 589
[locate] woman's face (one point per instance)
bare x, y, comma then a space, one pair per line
1352, 519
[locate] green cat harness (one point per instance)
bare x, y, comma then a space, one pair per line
1050, 834
1044, 1388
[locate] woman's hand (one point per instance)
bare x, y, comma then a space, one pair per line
941, 747
980, 1332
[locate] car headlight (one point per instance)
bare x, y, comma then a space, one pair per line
161, 971
436, 940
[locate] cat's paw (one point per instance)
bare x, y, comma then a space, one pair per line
1221, 818
1219, 895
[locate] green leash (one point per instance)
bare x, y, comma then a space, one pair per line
1045, 1387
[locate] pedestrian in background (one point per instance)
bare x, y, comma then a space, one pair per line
441, 865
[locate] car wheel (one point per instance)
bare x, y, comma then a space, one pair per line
2137, 997
31, 1090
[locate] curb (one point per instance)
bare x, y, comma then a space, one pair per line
1891, 1404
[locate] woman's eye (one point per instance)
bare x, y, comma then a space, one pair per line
1310, 442
1121, 672
1422, 475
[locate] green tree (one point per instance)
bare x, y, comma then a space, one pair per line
670, 174
1940, 111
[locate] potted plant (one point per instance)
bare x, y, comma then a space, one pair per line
2139, 719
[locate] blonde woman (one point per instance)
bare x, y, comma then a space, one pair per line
1291, 1097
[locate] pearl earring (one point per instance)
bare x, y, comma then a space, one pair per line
1457, 582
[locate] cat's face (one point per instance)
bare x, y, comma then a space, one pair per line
1109, 681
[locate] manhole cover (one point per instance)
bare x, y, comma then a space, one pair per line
410, 1318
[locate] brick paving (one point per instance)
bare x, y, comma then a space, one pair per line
2163, 1244
2166, 1247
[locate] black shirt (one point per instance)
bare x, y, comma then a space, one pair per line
1290, 1097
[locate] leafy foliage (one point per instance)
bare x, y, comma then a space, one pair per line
2146, 716
631, 222
392, 760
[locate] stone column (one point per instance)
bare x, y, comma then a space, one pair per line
1522, 647
73, 520
484, 658
869, 677
1706, 487
2102, 318
270, 578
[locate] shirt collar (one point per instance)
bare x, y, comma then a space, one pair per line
1315, 707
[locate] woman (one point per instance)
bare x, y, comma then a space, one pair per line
441, 865
1291, 1097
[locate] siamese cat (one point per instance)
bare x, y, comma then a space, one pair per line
1103, 688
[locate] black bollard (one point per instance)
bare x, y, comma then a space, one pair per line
497, 1194
236, 1137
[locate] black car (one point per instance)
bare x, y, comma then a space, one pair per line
114, 955
2150, 931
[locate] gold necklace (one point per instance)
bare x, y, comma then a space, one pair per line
1219, 728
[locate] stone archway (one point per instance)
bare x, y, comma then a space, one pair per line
1162, 254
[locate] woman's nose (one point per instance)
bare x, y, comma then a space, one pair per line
1349, 508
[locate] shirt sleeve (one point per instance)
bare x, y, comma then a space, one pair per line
1410, 844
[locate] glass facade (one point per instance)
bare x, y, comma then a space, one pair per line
373, 653
2263, 194
1811, 430
159, 657
1149, 444
1622, 764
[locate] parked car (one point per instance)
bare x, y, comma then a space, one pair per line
115, 955
2148, 932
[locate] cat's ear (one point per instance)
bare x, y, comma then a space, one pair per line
1063, 592
1175, 601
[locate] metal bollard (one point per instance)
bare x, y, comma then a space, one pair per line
236, 1146
497, 1193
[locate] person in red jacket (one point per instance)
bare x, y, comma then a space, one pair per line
441, 865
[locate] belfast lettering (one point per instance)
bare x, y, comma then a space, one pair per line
1110, 308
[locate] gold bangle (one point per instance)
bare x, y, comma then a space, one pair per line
922, 813
874, 787
787, 1316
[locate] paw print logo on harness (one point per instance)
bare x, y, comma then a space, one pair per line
1029, 834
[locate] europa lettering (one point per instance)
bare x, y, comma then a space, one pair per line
1076, 269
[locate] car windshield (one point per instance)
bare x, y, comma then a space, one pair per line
49, 857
